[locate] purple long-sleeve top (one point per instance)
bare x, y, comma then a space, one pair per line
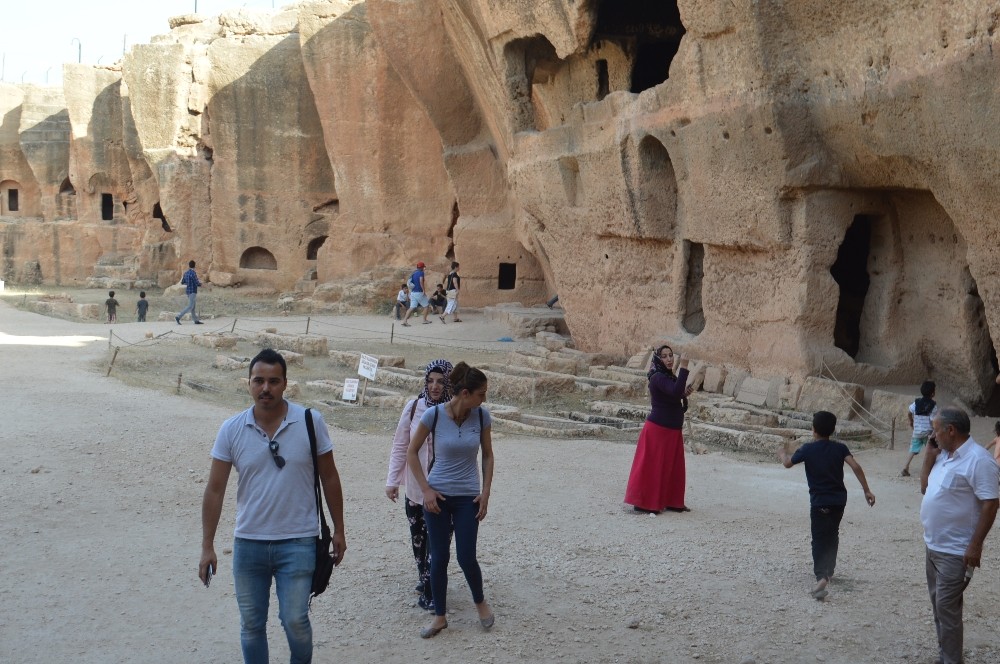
665, 395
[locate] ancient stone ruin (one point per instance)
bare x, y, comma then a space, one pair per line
782, 188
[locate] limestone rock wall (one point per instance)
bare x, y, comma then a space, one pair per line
786, 188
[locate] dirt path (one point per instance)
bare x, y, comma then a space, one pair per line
101, 488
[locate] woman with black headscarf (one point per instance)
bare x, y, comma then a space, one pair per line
437, 389
656, 482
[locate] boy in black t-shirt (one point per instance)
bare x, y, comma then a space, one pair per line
111, 305
825, 459
141, 307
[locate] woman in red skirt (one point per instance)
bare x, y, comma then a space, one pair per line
656, 482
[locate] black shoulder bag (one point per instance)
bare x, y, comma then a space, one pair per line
324, 541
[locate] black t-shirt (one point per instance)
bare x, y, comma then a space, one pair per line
142, 306
824, 461
454, 281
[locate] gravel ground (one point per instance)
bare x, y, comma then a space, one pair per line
101, 483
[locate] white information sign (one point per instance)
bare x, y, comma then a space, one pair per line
368, 366
351, 389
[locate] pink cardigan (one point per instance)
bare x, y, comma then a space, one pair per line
397, 456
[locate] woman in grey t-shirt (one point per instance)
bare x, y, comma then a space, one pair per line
454, 498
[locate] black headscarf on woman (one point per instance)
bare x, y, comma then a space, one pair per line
442, 367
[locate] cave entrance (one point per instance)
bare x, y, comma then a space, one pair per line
650, 31
507, 278
850, 271
312, 250
107, 207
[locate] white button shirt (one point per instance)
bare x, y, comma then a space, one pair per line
953, 502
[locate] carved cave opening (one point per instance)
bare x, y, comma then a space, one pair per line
258, 258
158, 212
455, 214
603, 82
312, 250
507, 277
850, 271
12, 200
982, 342
107, 207
657, 185
67, 187
651, 31
693, 321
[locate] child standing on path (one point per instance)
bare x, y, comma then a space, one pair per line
922, 411
141, 307
825, 459
111, 305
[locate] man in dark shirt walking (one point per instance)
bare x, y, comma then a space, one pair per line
825, 459
191, 283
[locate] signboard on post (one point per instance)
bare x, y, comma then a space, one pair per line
368, 366
351, 389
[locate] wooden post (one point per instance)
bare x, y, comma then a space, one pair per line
113, 358
364, 386
179, 383
233, 328
892, 435
308, 320
392, 333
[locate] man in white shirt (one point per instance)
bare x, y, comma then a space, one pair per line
957, 512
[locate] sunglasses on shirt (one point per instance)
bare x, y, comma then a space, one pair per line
279, 460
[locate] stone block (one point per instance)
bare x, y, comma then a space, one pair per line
775, 385
292, 358
788, 396
715, 379
307, 344
640, 360
833, 396
752, 441
218, 341
230, 363
224, 279
753, 391
888, 405
734, 379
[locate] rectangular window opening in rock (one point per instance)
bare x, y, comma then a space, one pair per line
507, 277
693, 320
107, 207
12, 200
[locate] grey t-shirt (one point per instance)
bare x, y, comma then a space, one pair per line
456, 450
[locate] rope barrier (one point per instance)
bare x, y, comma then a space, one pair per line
865, 415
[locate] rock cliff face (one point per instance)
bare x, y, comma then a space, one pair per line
790, 188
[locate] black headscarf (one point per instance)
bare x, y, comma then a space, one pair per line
657, 365
442, 367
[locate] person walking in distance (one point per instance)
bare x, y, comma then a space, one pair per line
191, 283
418, 294
276, 520
452, 290
957, 512
920, 414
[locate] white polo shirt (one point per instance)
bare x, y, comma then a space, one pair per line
273, 503
953, 502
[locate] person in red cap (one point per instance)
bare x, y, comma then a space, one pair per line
418, 295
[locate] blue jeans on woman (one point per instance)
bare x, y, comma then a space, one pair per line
458, 515
291, 562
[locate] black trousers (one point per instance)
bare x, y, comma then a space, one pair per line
825, 538
421, 550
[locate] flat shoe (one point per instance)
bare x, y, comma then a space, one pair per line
405, 324
458, 320
427, 322
431, 632
678, 509
487, 622
442, 318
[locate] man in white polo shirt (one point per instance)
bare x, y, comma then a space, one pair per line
959, 506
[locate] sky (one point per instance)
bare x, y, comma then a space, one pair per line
38, 36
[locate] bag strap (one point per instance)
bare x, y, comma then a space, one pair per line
325, 529
434, 426
413, 408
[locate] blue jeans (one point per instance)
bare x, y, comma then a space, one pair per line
291, 562
458, 515
189, 309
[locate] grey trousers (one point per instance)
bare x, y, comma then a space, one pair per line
946, 583
192, 301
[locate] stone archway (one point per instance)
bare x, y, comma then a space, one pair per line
258, 258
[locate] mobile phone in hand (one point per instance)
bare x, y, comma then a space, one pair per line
209, 571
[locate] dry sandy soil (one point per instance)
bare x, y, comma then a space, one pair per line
101, 486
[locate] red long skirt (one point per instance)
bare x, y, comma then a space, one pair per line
657, 478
